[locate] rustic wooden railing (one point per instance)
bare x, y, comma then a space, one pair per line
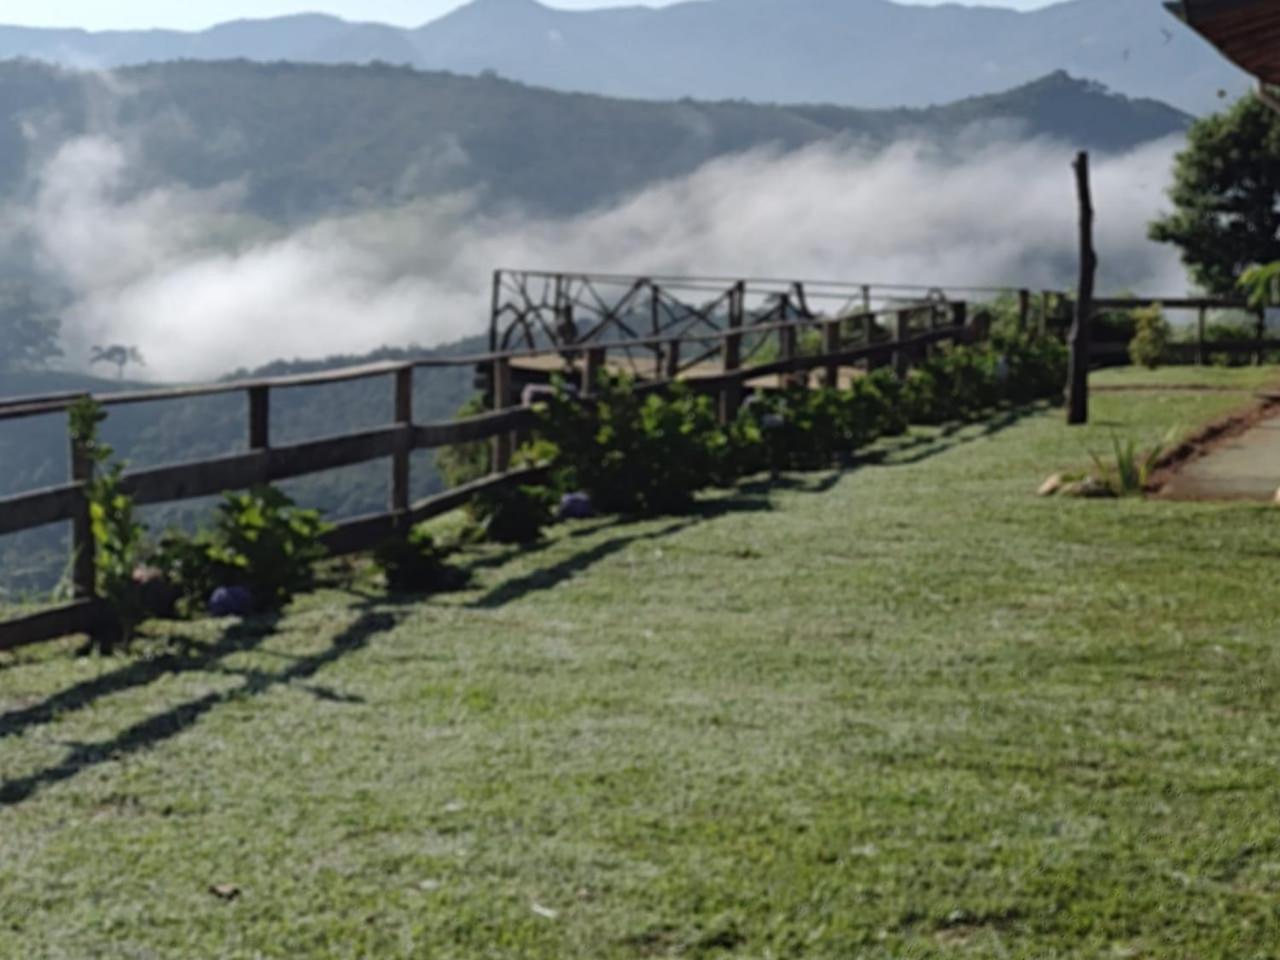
899, 336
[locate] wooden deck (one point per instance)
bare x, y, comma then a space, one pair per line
541, 369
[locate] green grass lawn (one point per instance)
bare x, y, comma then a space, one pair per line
908, 711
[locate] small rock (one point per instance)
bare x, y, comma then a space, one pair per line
1053, 485
1095, 489
545, 912
1090, 488
225, 891
1277, 498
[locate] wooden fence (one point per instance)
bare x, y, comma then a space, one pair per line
899, 336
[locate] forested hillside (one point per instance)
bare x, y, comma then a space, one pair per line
310, 140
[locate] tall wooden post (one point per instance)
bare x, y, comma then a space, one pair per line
1078, 379
731, 395
404, 445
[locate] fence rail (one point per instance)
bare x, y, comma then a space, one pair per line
861, 327
897, 335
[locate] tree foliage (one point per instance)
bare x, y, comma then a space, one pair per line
28, 329
1226, 194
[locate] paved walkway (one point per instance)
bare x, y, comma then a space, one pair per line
1246, 467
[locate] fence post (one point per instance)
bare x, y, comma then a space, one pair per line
1024, 310
831, 345
501, 401
672, 370
404, 445
787, 346
1200, 335
866, 298
84, 573
731, 394
593, 363
259, 418
959, 318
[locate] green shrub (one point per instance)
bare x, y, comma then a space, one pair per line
259, 540
1035, 368
1128, 471
1150, 343
515, 515
1228, 330
416, 564
797, 428
635, 453
118, 539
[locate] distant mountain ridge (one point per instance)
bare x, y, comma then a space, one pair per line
310, 140
865, 53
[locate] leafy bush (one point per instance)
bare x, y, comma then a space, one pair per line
1261, 283
1227, 330
1035, 368
1129, 470
416, 564
514, 515
635, 453
957, 383
1151, 337
118, 539
259, 541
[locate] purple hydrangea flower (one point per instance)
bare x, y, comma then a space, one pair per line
231, 602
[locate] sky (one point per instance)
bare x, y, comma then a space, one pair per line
198, 14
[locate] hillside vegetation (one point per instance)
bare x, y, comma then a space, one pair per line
908, 710
304, 141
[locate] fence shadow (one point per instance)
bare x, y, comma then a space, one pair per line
168, 724
905, 451
750, 497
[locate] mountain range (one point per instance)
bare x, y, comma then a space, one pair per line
310, 140
866, 53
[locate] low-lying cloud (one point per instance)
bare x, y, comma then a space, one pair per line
202, 289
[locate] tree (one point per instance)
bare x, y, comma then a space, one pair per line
1226, 194
28, 329
120, 355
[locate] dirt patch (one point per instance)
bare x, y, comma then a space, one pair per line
1210, 439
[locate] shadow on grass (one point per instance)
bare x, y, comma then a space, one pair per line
550, 577
905, 451
748, 498
164, 726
